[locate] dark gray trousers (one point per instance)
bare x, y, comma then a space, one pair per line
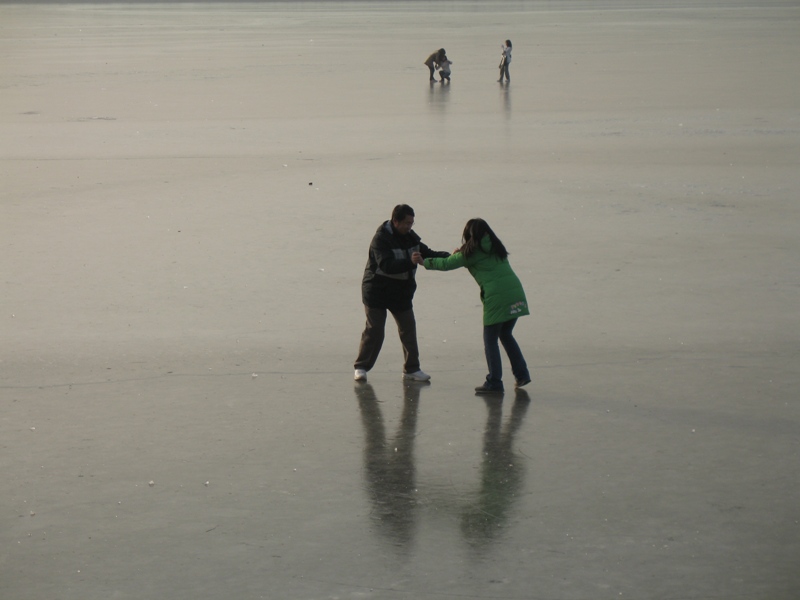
374, 333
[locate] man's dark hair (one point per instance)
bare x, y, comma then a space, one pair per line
401, 211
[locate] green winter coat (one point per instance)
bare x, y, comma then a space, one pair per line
501, 291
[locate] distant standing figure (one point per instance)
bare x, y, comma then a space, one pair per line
444, 69
505, 61
434, 60
502, 296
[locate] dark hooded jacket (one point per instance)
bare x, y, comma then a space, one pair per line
389, 275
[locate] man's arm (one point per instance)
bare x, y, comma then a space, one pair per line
428, 253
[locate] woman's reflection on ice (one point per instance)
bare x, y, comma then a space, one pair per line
389, 463
502, 473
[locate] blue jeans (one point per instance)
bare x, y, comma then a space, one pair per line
502, 332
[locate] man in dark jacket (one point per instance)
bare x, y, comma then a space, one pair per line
389, 285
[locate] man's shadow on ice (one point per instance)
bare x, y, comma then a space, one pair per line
389, 463
391, 472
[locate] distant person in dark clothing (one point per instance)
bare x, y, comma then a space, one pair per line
434, 60
505, 60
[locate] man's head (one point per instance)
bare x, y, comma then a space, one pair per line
402, 218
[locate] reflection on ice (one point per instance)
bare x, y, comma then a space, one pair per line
502, 473
389, 467
390, 470
438, 96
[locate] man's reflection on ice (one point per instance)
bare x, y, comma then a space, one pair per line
389, 463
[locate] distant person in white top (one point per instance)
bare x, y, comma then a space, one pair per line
444, 70
505, 61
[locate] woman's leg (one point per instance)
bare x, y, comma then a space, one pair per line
518, 365
491, 334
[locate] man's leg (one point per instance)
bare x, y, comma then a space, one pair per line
407, 328
371, 339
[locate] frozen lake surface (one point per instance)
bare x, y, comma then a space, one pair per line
189, 191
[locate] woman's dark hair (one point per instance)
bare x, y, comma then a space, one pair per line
474, 231
401, 211
508, 43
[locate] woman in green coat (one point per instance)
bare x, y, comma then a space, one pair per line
486, 258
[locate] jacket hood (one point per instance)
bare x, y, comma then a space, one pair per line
486, 244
